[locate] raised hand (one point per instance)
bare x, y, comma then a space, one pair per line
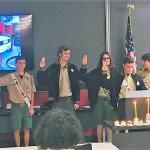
104, 67
42, 62
84, 59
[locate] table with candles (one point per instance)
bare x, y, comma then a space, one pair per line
134, 131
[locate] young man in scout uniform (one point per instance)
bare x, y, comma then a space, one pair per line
21, 88
129, 81
62, 80
144, 73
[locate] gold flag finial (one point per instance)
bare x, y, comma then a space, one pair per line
130, 7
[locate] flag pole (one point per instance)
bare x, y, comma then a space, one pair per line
107, 25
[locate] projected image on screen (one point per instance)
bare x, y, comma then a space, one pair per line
15, 40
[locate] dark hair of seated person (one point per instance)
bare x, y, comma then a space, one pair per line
58, 129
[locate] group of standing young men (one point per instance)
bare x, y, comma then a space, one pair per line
106, 88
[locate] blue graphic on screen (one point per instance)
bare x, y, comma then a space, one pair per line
10, 41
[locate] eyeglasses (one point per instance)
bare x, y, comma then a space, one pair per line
105, 58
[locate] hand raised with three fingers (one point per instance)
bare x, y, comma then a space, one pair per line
84, 59
42, 62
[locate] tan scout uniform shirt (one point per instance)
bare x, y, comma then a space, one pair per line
104, 92
27, 84
127, 85
64, 83
145, 75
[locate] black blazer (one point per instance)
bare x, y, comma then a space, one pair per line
51, 78
137, 80
95, 79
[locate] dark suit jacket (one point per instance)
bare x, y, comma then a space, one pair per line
51, 77
137, 80
95, 79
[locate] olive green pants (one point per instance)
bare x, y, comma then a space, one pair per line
20, 117
103, 111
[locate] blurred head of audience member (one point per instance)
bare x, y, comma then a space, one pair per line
58, 129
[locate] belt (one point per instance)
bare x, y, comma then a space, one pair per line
66, 97
19, 104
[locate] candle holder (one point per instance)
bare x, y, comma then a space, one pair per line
135, 121
147, 122
116, 123
129, 123
147, 116
123, 123
140, 122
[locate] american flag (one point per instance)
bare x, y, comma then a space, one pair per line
129, 45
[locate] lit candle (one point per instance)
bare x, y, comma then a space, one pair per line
135, 110
148, 106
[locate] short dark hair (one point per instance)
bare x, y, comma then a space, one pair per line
58, 128
19, 58
146, 56
128, 60
61, 49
